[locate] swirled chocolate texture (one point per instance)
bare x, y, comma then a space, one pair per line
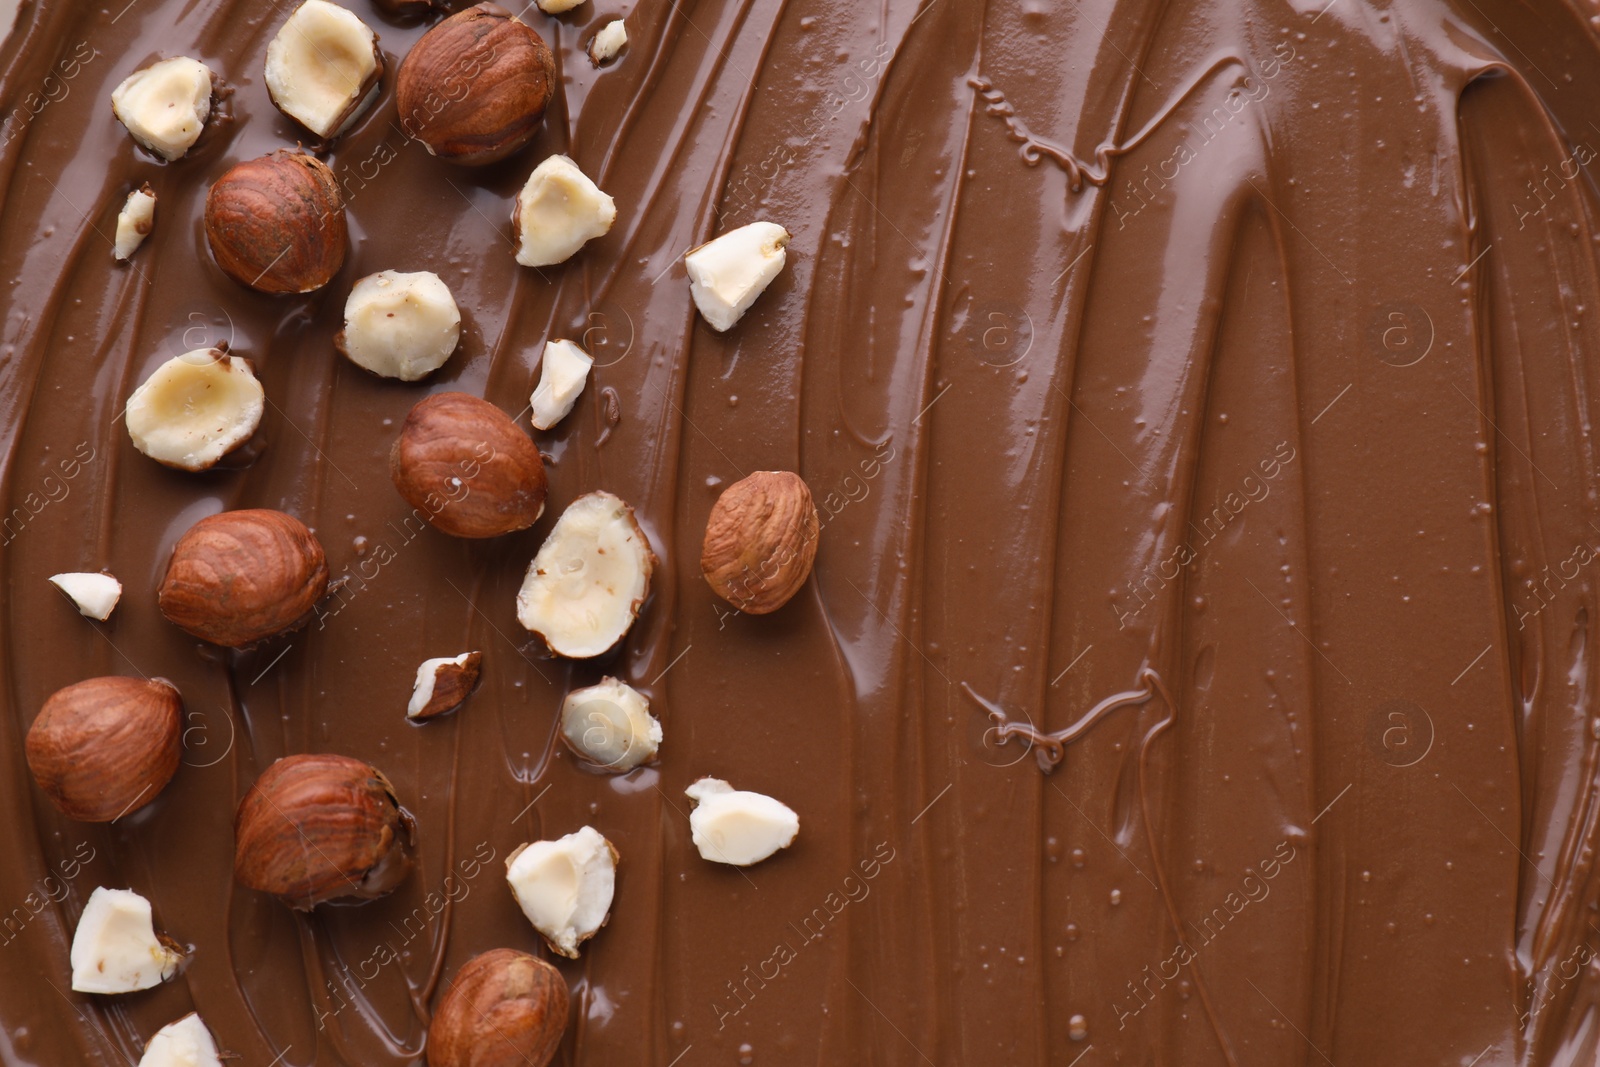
1199, 400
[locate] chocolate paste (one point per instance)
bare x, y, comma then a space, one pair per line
1241, 357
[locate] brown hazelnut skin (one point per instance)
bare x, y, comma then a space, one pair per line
240, 577
321, 827
474, 88
760, 541
276, 224
467, 467
107, 746
505, 1009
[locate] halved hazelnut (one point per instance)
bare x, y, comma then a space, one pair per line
185, 1043
467, 467
505, 1009
610, 725
276, 224
728, 273
761, 541
315, 828
558, 211
242, 576
323, 67
134, 222
400, 325
738, 827
107, 746
474, 88
565, 886
95, 595
196, 408
585, 586
443, 684
115, 948
165, 105
562, 373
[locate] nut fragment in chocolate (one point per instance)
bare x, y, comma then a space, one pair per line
196, 408
565, 886
738, 827
728, 273
558, 211
134, 222
586, 584
562, 373
323, 67
115, 948
165, 105
400, 325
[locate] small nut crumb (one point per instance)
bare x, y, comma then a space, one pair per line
195, 409
443, 685
557, 212
728, 273
585, 586
400, 325
185, 1043
562, 374
165, 105
564, 886
323, 67
556, 7
134, 222
95, 595
610, 725
737, 827
115, 948
605, 45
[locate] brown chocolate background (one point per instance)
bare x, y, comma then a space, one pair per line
1340, 283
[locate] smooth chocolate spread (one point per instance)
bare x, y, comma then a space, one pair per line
1234, 362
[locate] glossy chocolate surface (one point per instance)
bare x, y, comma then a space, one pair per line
1224, 369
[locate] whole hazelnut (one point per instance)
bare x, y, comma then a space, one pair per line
474, 88
321, 827
760, 541
242, 576
506, 1009
102, 748
467, 468
276, 224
